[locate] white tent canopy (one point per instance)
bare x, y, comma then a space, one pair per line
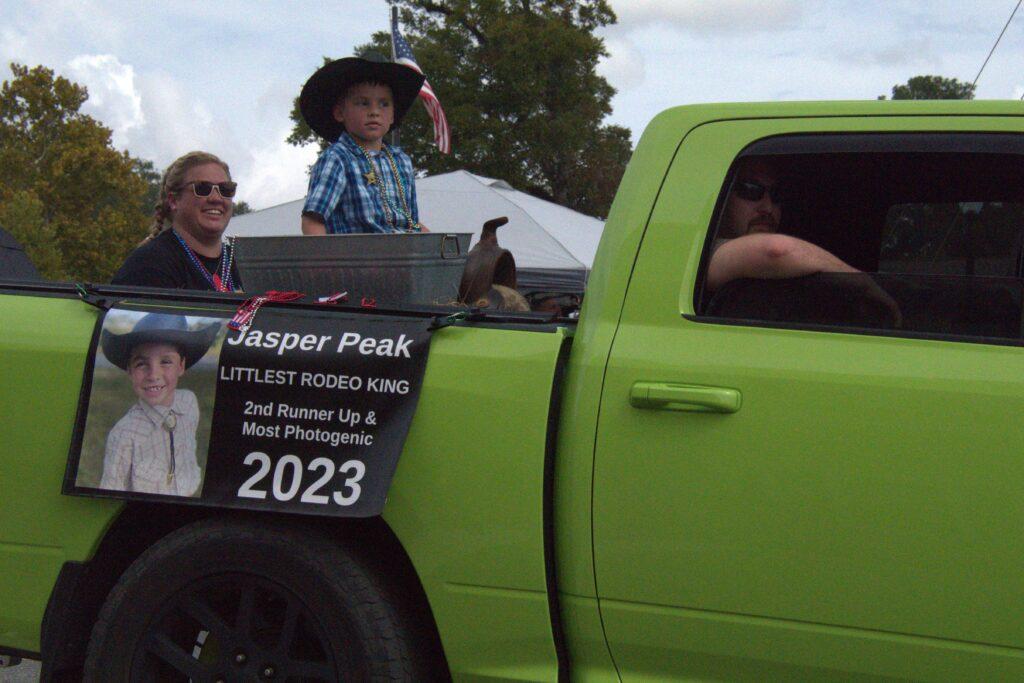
553, 246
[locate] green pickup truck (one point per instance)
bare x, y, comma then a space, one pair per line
771, 479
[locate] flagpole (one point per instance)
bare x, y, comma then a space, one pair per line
395, 137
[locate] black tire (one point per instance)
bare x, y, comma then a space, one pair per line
239, 601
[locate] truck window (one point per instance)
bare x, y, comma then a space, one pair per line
924, 232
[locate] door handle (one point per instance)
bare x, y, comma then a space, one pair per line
684, 397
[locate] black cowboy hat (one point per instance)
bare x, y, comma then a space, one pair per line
322, 90
159, 328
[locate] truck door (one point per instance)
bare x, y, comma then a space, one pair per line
799, 483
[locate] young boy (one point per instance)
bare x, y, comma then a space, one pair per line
360, 184
152, 449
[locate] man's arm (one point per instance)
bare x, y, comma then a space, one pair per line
313, 225
770, 257
782, 256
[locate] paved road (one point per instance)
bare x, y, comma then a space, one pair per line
26, 672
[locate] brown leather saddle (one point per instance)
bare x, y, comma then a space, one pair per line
487, 264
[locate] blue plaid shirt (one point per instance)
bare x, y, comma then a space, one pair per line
341, 195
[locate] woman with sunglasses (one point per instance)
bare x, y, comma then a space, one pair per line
184, 249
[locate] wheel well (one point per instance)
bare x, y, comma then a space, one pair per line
82, 588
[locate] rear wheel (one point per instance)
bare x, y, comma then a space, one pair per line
232, 601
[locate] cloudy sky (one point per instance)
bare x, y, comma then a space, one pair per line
172, 77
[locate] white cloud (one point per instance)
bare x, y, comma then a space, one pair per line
624, 66
13, 45
113, 98
903, 51
176, 122
43, 32
247, 131
275, 172
721, 16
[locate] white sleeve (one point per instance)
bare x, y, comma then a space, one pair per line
189, 475
117, 461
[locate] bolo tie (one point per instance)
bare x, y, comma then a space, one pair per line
169, 423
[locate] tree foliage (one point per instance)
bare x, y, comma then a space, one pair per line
519, 86
75, 203
932, 88
152, 177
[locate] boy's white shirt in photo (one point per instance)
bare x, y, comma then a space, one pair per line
137, 457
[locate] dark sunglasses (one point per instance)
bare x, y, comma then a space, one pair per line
754, 192
204, 188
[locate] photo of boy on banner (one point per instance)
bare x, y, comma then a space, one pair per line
158, 445
305, 411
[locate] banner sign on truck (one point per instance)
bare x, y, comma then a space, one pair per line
304, 411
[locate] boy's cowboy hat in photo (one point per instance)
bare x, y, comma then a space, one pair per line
323, 89
159, 328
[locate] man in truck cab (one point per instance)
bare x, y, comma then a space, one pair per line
748, 244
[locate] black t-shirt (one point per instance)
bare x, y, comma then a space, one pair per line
162, 262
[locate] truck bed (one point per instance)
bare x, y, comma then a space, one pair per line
466, 502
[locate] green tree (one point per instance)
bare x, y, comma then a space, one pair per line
932, 88
241, 208
519, 86
65, 192
22, 215
145, 170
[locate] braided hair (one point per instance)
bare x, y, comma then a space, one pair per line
172, 181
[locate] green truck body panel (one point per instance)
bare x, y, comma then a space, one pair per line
851, 511
474, 464
46, 342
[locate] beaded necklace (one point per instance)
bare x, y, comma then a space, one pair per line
219, 282
389, 206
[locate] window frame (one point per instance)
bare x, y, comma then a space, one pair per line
894, 142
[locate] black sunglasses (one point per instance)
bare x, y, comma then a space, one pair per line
754, 192
203, 189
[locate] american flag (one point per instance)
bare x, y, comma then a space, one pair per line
403, 55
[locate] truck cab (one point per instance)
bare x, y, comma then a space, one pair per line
787, 482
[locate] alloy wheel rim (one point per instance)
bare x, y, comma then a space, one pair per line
235, 627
